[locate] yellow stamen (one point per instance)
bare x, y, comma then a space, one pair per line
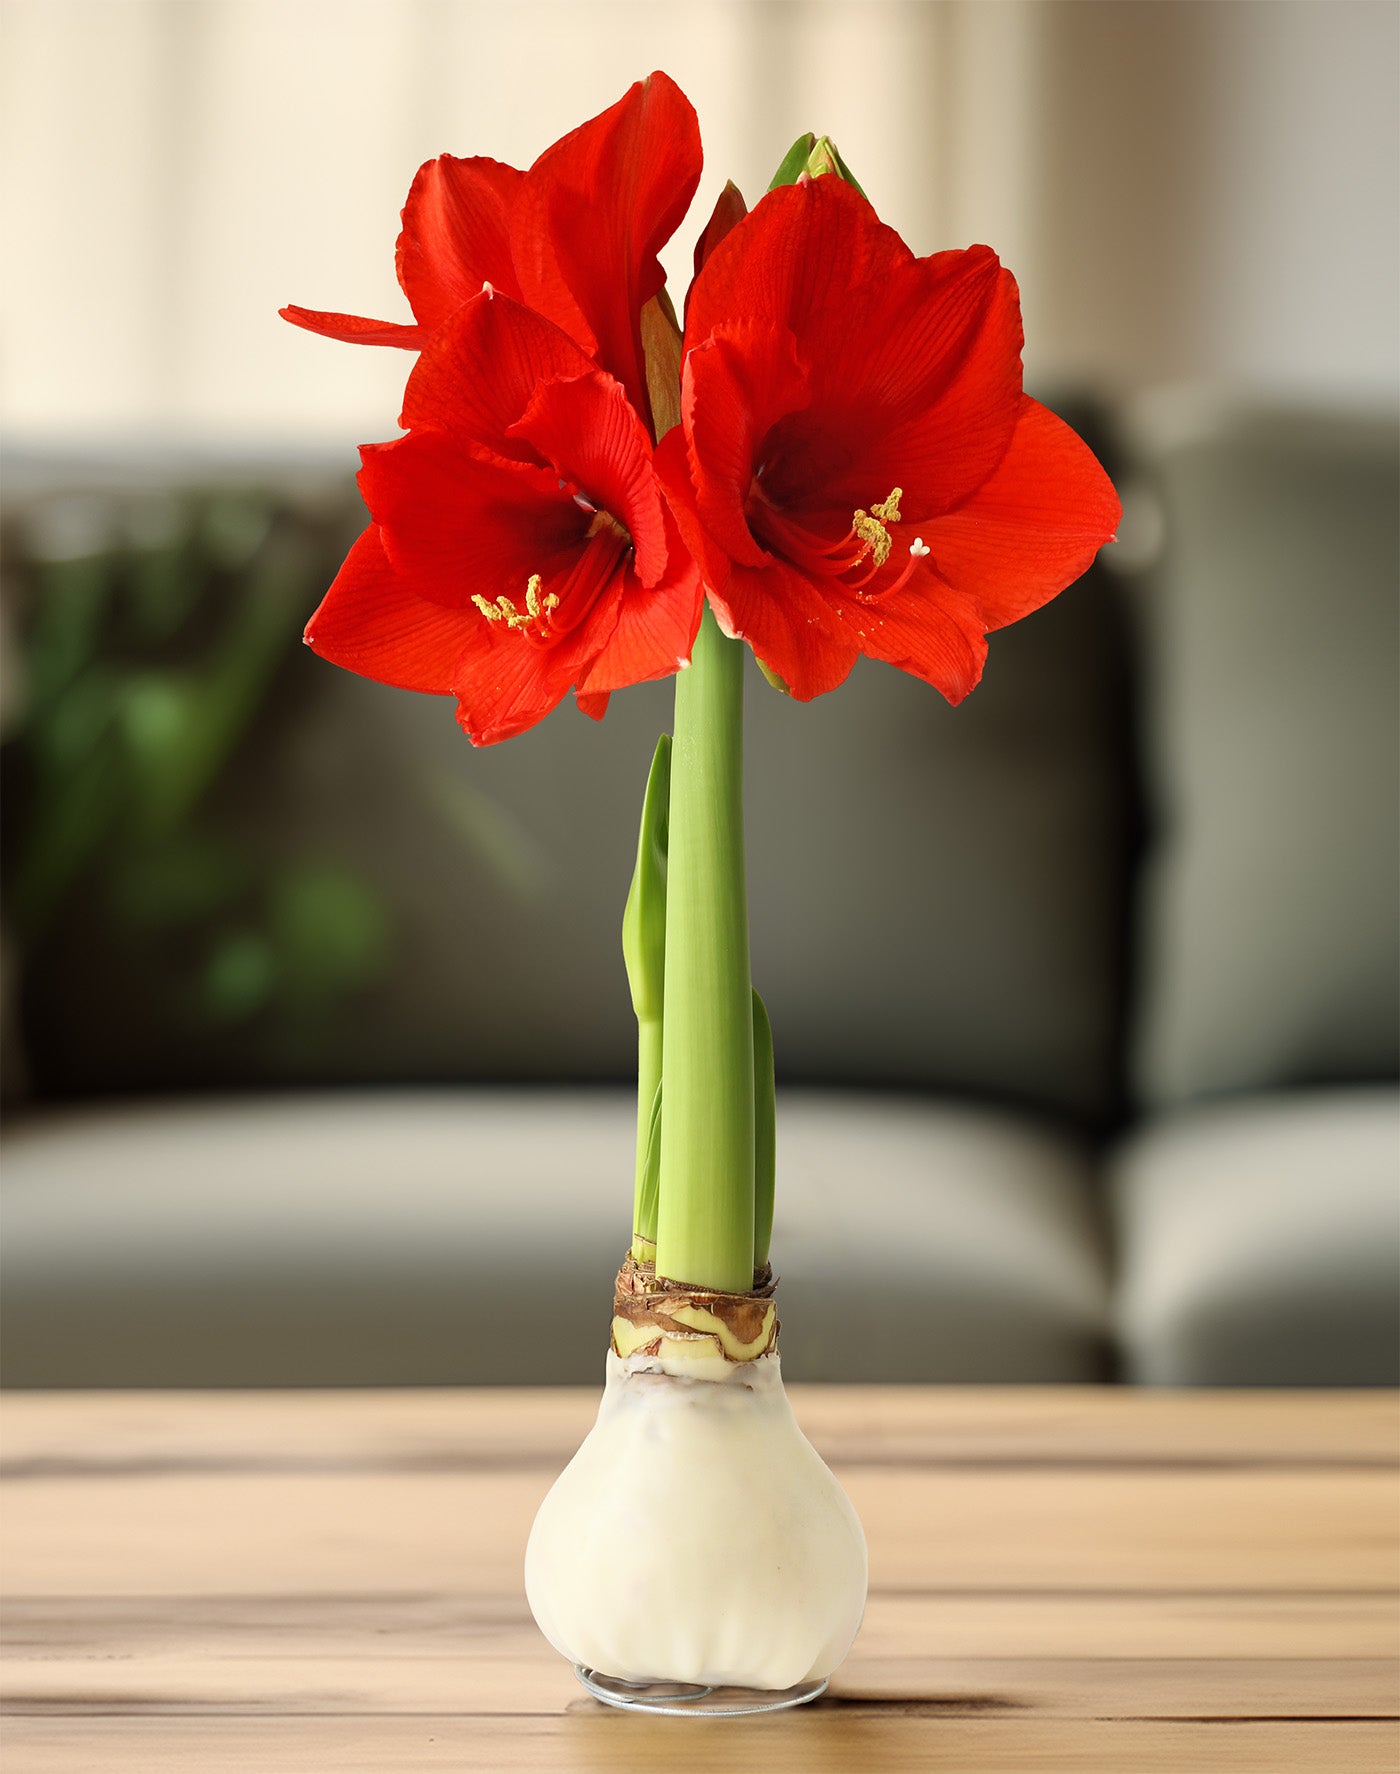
870, 526
537, 609
874, 535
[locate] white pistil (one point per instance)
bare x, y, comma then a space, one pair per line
918, 548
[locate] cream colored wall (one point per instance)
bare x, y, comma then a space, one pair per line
1187, 188
1228, 173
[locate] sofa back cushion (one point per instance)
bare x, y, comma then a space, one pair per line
1269, 919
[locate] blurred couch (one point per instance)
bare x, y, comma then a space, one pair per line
1085, 995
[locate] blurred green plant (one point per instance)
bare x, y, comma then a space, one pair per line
147, 662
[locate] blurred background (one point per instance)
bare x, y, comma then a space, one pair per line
1090, 989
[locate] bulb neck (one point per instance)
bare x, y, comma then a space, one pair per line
654, 1316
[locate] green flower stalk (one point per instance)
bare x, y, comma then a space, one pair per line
705, 1212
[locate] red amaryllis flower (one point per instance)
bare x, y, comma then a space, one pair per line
575, 237
520, 545
859, 470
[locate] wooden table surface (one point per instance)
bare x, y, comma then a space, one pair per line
1076, 1580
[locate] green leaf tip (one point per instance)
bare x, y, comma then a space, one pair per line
644, 918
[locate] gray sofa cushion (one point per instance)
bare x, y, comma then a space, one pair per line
339, 1240
924, 1241
1270, 938
1259, 1243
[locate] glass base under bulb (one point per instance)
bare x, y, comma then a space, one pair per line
688, 1699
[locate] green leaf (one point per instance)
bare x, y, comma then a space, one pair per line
649, 1175
644, 950
794, 162
644, 919
765, 1133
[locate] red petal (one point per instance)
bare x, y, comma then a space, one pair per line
779, 613
931, 630
501, 377
371, 622
457, 526
595, 707
508, 682
942, 388
353, 330
914, 363
456, 235
480, 369
672, 464
736, 385
503, 690
1034, 527
656, 627
594, 211
810, 634
591, 433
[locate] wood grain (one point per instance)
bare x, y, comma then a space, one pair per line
1074, 1580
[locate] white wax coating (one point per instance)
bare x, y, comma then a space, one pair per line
697, 1536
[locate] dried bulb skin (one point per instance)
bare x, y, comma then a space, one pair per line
697, 1536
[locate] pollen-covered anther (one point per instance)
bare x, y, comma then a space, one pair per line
536, 612
869, 528
873, 534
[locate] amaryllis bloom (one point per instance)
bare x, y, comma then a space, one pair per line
859, 470
520, 545
575, 237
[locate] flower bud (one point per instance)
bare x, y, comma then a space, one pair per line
813, 157
825, 157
